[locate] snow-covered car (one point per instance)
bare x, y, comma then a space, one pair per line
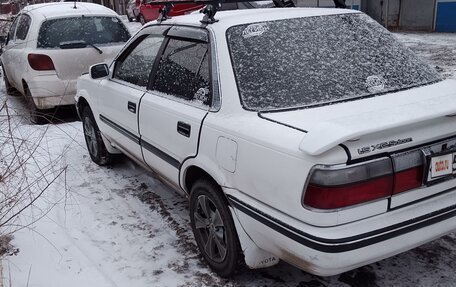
50, 45
133, 10
307, 135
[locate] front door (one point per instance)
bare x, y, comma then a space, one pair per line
119, 104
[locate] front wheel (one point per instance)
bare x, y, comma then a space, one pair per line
95, 145
214, 229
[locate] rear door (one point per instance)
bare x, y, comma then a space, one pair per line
119, 102
172, 111
9, 52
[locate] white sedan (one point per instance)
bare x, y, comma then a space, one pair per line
305, 135
50, 45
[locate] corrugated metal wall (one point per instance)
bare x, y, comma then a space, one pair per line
424, 15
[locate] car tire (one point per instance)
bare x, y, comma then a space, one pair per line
95, 145
214, 229
9, 89
37, 116
141, 19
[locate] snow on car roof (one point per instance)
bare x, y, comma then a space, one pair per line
237, 17
59, 9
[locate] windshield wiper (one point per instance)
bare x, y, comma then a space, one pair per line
78, 44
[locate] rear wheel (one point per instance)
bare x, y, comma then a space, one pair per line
214, 229
37, 116
95, 145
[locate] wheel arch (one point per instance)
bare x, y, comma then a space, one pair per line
24, 86
80, 104
193, 171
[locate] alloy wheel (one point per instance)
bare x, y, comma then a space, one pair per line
209, 226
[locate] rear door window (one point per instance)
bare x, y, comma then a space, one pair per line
94, 30
13, 29
183, 71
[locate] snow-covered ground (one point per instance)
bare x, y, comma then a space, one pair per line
119, 226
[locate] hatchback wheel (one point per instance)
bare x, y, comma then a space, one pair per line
37, 116
95, 145
214, 229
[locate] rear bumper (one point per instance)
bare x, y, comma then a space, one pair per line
48, 91
328, 251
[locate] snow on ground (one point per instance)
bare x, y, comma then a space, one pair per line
119, 226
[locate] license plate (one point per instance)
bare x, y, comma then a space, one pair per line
442, 165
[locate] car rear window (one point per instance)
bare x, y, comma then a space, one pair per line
93, 30
320, 60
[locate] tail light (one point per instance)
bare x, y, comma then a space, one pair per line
40, 62
408, 171
332, 187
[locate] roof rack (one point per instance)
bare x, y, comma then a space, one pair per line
212, 6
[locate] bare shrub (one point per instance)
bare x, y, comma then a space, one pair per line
27, 170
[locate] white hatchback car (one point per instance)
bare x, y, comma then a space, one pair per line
307, 135
50, 45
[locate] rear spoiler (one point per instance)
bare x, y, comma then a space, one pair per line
327, 135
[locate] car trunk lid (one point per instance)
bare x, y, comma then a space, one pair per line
376, 125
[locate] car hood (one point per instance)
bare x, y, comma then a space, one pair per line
379, 124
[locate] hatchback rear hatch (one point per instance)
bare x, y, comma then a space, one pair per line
76, 43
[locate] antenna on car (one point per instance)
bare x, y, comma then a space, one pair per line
74, 6
211, 8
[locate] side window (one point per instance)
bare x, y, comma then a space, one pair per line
13, 29
135, 68
23, 27
183, 71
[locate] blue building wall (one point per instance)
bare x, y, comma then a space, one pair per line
446, 16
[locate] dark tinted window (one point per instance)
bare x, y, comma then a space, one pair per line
136, 67
317, 60
183, 71
94, 30
23, 27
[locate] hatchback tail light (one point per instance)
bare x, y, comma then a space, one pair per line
332, 187
40, 62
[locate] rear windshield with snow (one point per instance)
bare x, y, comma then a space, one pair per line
320, 60
93, 30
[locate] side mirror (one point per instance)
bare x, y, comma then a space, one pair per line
99, 71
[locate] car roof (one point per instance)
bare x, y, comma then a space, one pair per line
231, 18
62, 9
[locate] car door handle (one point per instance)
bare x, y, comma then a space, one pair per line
184, 129
132, 107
